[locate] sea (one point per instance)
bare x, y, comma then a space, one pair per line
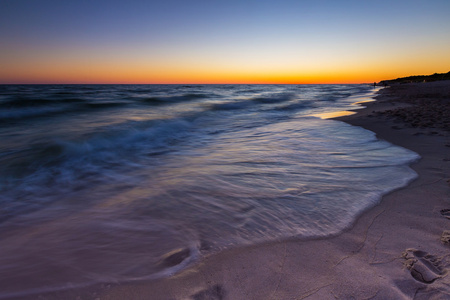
117, 183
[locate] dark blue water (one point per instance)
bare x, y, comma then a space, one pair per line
106, 183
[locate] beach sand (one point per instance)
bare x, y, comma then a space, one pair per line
399, 249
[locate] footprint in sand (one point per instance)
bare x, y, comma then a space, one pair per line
424, 267
175, 257
445, 237
446, 212
213, 293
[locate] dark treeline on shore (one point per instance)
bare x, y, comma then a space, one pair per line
418, 78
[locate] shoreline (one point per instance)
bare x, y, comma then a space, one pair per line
392, 251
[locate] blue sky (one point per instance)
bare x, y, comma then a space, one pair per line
204, 40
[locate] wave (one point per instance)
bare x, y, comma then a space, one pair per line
51, 108
168, 190
123, 142
274, 98
70, 167
243, 104
303, 104
27, 113
27, 102
99, 105
172, 99
230, 105
192, 86
80, 99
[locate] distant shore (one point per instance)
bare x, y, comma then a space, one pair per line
399, 249
417, 78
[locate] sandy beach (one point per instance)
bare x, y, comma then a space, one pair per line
399, 249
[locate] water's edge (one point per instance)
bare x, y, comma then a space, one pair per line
181, 259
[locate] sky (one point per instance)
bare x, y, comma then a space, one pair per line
244, 41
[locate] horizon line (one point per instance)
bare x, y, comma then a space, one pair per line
184, 83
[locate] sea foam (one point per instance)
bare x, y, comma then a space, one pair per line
136, 181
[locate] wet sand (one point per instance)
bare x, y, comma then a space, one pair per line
399, 249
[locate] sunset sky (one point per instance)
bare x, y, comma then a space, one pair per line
244, 41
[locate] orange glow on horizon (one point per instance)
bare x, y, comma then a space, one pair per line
111, 75
229, 42
150, 72
193, 78
98, 66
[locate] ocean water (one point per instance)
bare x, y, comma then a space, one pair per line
112, 183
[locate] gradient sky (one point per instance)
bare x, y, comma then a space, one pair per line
245, 41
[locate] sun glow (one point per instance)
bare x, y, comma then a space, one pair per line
257, 43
